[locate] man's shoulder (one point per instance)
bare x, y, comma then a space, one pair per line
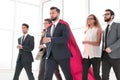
30, 36
63, 22
116, 23
19, 38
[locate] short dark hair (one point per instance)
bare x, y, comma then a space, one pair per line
57, 9
49, 20
111, 12
26, 25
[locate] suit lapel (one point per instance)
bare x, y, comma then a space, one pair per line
111, 28
25, 39
104, 32
49, 31
56, 29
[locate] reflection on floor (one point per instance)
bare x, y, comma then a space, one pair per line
8, 75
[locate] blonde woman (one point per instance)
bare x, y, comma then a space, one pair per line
92, 54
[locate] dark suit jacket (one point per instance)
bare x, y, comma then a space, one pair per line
113, 40
25, 54
59, 42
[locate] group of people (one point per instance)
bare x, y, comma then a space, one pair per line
61, 49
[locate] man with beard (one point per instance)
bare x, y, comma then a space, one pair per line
56, 40
111, 46
47, 23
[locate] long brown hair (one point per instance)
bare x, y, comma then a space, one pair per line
97, 24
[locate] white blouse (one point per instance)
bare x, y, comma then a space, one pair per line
91, 51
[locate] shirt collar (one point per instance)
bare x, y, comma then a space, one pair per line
110, 23
25, 35
55, 23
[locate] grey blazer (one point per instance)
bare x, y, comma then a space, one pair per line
113, 40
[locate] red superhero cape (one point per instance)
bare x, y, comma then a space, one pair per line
76, 60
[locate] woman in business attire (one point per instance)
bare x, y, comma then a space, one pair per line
92, 54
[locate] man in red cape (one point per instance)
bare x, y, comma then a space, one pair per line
76, 60
60, 46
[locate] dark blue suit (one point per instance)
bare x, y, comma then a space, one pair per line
25, 57
58, 52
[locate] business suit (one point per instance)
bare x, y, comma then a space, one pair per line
111, 59
42, 71
58, 52
25, 57
42, 64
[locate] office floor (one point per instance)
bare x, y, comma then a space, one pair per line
8, 75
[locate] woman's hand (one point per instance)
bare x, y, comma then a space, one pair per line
41, 46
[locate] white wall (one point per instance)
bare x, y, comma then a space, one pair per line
13, 14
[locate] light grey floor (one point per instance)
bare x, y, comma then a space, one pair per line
8, 75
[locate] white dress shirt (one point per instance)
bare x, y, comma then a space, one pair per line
24, 37
54, 23
91, 51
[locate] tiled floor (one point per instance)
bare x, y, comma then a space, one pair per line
8, 75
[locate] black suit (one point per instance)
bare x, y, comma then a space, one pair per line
42, 63
25, 57
58, 52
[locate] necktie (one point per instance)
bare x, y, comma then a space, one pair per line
23, 38
53, 29
106, 34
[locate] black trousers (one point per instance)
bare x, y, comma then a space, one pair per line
28, 69
51, 64
42, 70
96, 68
107, 63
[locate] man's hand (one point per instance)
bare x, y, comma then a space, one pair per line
19, 47
108, 50
46, 39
